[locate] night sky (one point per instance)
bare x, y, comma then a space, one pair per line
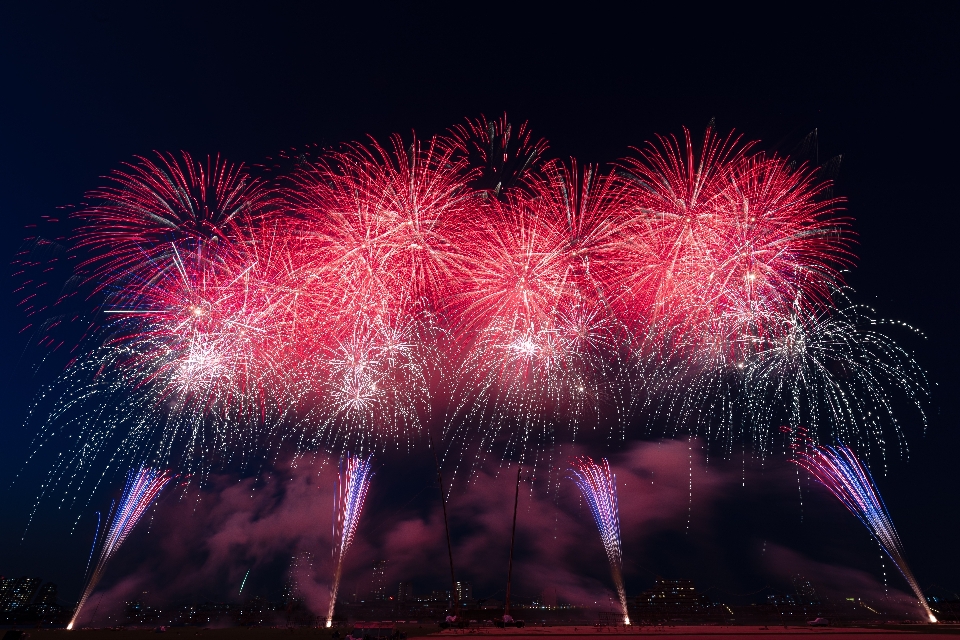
87, 86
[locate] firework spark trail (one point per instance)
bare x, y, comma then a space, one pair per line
839, 470
142, 489
162, 202
727, 242
352, 486
599, 488
244, 581
540, 346
333, 306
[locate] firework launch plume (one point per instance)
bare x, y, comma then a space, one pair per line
141, 491
598, 484
839, 470
352, 485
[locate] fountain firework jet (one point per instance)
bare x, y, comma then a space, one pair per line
348, 502
599, 487
838, 469
142, 490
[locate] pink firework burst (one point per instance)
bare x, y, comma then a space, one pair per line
535, 322
728, 243
378, 255
210, 327
380, 227
162, 202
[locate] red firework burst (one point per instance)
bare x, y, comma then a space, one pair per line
380, 228
536, 327
727, 243
165, 202
210, 327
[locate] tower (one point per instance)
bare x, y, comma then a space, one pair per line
379, 590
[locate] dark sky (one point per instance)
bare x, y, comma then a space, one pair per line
86, 86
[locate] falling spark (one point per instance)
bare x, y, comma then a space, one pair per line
244, 582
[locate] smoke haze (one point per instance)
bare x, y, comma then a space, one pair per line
199, 546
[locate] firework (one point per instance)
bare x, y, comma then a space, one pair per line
502, 160
244, 581
160, 203
339, 305
352, 485
198, 363
599, 488
838, 469
380, 227
735, 300
727, 243
375, 384
218, 326
141, 491
379, 259
540, 345
834, 372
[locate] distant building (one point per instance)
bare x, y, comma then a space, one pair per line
671, 600
464, 591
18, 593
47, 594
670, 592
6, 586
379, 583
301, 569
405, 593
437, 597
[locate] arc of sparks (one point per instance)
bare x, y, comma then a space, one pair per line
598, 485
352, 486
839, 470
142, 489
